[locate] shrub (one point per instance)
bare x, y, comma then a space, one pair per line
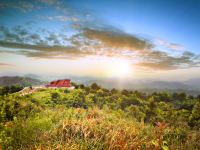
175, 136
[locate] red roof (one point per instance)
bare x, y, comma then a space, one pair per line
60, 83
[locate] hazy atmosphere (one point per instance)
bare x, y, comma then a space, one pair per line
136, 39
99, 75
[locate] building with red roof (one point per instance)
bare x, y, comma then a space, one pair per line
59, 83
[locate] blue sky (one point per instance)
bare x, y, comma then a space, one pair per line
148, 36
174, 20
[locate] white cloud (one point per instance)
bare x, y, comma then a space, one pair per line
172, 46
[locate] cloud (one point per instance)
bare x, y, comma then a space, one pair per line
49, 2
53, 38
23, 42
67, 12
157, 60
60, 18
9, 35
28, 6
117, 39
64, 18
86, 42
172, 46
5, 64
43, 51
23, 6
91, 41
20, 34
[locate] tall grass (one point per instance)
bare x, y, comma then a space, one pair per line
81, 129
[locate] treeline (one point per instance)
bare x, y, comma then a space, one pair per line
156, 107
10, 89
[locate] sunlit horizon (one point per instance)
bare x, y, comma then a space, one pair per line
103, 39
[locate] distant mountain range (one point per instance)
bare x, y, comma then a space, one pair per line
143, 84
23, 81
150, 86
191, 86
130, 84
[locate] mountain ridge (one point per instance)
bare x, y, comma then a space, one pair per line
190, 86
23, 81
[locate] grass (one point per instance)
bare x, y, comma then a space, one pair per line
43, 96
45, 120
81, 129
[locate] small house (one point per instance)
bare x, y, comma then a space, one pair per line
59, 83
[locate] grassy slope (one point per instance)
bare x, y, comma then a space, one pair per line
59, 127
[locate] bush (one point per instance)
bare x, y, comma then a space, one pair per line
175, 136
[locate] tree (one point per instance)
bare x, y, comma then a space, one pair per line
125, 92
195, 116
95, 87
114, 91
55, 97
134, 112
15, 88
152, 110
76, 98
82, 86
179, 96
129, 100
74, 84
5, 90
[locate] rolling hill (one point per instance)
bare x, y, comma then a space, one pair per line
23, 81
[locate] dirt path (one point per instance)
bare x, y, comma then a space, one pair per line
27, 90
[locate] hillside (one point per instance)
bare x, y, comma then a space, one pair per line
23, 81
190, 87
92, 117
140, 84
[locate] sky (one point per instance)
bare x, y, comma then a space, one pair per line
138, 39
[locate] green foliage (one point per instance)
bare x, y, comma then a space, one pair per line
134, 112
92, 117
10, 89
175, 136
195, 116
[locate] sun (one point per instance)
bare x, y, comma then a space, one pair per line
118, 68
